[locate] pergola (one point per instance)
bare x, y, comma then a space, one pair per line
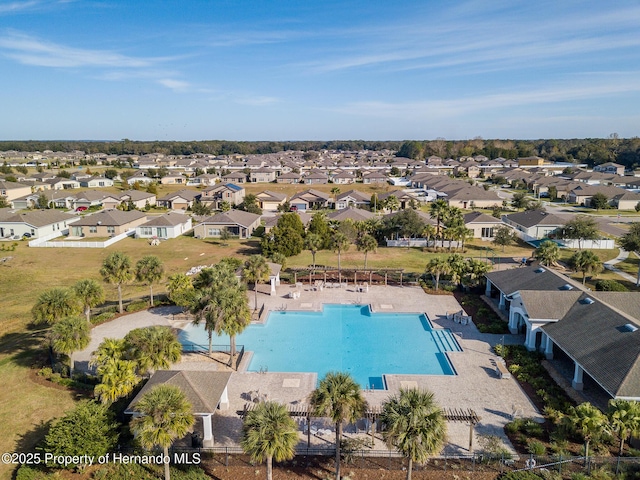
324, 269
372, 414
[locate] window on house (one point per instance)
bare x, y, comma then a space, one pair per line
146, 231
111, 230
93, 229
487, 232
213, 232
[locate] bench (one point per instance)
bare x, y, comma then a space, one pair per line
501, 370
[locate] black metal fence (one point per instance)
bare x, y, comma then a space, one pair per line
392, 460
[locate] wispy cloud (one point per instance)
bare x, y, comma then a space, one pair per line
255, 101
15, 7
493, 101
29, 50
175, 85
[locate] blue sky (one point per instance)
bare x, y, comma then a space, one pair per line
318, 70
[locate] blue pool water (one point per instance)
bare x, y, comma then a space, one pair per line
345, 338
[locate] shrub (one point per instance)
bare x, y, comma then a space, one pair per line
137, 306
536, 447
25, 472
610, 286
103, 317
45, 372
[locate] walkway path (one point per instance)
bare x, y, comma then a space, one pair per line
610, 265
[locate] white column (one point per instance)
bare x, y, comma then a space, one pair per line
273, 286
208, 433
548, 351
577, 377
543, 341
530, 342
513, 322
502, 303
224, 400
487, 290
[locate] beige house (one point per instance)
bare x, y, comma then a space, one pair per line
262, 175
107, 223
481, 224
270, 201
13, 190
137, 197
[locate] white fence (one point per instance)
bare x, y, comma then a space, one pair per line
36, 242
421, 242
81, 244
604, 243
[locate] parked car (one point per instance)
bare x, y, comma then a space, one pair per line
81, 209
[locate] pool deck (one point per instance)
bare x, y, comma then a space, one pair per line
476, 385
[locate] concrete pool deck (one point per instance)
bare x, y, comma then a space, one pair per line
476, 385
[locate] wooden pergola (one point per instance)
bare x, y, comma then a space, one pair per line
346, 271
372, 414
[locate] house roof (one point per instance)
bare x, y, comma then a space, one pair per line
268, 195
272, 221
111, 217
533, 277
235, 217
531, 218
35, 218
593, 334
203, 389
186, 194
170, 219
548, 305
355, 214
479, 217
356, 195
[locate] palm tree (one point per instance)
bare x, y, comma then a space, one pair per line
587, 262
335, 191
149, 269
428, 232
414, 424
256, 270
118, 378
69, 335
391, 203
476, 269
236, 316
152, 348
109, 348
547, 252
588, 421
269, 433
458, 267
438, 210
366, 243
437, 266
624, 418
116, 269
90, 294
313, 242
164, 416
338, 397
339, 243
53, 305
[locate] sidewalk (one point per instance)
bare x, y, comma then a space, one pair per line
610, 265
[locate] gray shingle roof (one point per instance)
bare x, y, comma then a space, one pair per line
593, 335
535, 217
527, 278
239, 217
203, 389
110, 217
170, 219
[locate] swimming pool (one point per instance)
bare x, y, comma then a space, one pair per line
345, 338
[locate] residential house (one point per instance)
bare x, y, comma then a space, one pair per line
583, 194
35, 223
237, 222
262, 175
13, 190
174, 178
96, 182
352, 198
59, 183
374, 177
482, 225
289, 178
215, 195
610, 167
235, 177
309, 200
343, 177
270, 201
164, 227
626, 201
533, 224
138, 198
315, 177
140, 177
180, 200
107, 223
204, 180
